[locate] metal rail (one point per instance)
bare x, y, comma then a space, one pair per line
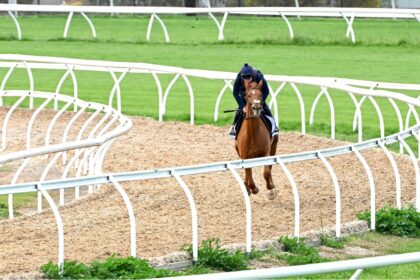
300, 270
348, 14
216, 166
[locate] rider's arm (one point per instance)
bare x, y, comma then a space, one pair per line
237, 91
265, 90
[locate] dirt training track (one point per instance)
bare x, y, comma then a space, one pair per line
98, 226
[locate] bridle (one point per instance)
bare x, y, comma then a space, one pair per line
254, 111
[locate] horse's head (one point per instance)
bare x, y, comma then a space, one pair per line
253, 99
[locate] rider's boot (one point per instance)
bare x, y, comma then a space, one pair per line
236, 119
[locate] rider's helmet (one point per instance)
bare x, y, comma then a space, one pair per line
247, 72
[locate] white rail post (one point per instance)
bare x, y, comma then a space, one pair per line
247, 207
371, 187
31, 85
133, 236
14, 181
168, 89
274, 102
149, 27
116, 88
295, 196
302, 107
191, 93
289, 26
228, 84
331, 105
92, 27
396, 172
6, 122
350, 30
19, 31
399, 117
194, 219
337, 194
69, 125
356, 274
416, 169
59, 226
10, 205
3, 83
160, 94
220, 26
357, 118
297, 6
66, 28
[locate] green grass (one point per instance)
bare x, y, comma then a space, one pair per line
379, 243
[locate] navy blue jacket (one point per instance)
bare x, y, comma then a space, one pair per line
239, 88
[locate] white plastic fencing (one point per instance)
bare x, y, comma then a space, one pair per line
328, 87
301, 270
348, 14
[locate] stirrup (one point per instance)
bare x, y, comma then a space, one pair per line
275, 132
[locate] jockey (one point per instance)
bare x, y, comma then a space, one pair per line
246, 76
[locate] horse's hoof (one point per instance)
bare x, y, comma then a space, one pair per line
271, 195
255, 190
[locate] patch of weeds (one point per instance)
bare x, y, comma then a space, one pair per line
298, 252
400, 222
72, 269
331, 242
212, 256
112, 268
197, 269
4, 211
270, 255
256, 255
5, 168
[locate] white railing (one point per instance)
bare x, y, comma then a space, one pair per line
328, 87
302, 270
81, 146
178, 172
367, 89
348, 14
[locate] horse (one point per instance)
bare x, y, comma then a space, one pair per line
253, 139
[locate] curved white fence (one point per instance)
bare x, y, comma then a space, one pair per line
348, 14
328, 87
76, 150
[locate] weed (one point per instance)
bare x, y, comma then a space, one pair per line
112, 268
210, 255
331, 242
72, 269
401, 222
4, 211
298, 252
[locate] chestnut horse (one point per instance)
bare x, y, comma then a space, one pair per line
254, 139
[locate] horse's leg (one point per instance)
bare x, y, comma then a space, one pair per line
249, 182
272, 193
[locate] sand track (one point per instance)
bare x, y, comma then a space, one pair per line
97, 226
